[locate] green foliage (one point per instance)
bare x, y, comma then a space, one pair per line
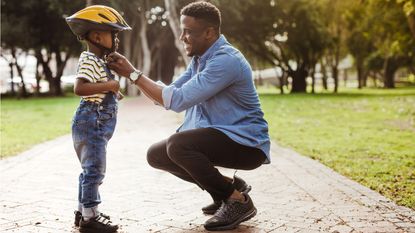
37, 24
367, 135
25, 123
287, 34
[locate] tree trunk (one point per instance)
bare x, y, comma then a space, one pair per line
360, 78
12, 79
281, 80
313, 80
389, 73
299, 84
174, 23
22, 92
37, 75
46, 70
144, 45
324, 78
335, 73
345, 77
411, 23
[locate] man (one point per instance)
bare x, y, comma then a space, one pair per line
223, 125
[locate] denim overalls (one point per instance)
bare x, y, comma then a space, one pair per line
92, 128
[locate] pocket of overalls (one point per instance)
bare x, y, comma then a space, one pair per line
107, 114
80, 125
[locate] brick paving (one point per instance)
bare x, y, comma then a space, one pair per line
38, 188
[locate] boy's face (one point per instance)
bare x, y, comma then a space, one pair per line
104, 38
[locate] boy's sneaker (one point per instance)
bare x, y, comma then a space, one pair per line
230, 214
78, 216
239, 184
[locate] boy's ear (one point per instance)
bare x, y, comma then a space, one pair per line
94, 36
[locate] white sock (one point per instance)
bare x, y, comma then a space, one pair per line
80, 207
88, 213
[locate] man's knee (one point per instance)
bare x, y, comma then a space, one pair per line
155, 155
175, 146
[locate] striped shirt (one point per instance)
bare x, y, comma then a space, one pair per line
90, 68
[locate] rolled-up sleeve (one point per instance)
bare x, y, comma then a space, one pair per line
220, 71
167, 94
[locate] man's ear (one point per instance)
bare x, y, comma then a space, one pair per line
211, 33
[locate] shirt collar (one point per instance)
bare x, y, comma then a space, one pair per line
212, 49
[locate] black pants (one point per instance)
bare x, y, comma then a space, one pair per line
191, 155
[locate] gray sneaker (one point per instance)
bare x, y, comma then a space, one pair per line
239, 184
231, 214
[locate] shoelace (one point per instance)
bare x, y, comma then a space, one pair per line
225, 209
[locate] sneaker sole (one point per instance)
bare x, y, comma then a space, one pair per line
233, 225
88, 230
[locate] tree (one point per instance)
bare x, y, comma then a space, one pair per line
332, 14
392, 37
15, 42
289, 35
150, 44
174, 22
36, 25
408, 7
358, 41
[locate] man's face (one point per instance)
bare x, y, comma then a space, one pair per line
194, 36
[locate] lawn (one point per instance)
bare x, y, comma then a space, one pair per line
27, 122
367, 135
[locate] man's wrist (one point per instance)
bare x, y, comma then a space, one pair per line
135, 75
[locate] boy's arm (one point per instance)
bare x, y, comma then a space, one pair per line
84, 88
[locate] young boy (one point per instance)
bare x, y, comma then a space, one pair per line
95, 118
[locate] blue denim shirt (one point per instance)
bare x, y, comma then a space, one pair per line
217, 91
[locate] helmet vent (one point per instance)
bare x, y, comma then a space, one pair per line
103, 16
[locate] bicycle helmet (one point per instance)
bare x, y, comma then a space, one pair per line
96, 17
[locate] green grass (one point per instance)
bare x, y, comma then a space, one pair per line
367, 135
27, 122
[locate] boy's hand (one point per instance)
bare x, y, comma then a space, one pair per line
113, 86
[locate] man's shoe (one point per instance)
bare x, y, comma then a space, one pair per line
97, 224
239, 184
231, 214
212, 208
78, 216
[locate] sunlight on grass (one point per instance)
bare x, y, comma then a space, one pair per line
27, 122
368, 135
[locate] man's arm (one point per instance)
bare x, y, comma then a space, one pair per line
124, 68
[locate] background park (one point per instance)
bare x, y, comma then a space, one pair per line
336, 78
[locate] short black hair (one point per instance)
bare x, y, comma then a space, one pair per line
203, 10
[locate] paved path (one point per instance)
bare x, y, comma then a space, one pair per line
294, 194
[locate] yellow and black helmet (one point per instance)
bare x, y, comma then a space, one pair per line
96, 17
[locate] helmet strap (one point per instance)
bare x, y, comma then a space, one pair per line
104, 50
113, 33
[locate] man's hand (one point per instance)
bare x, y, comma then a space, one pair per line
120, 64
